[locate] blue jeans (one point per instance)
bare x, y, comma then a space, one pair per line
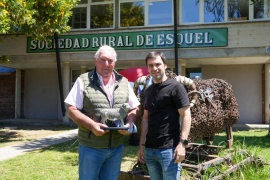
103, 164
160, 164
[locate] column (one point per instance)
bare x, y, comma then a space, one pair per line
83, 69
179, 69
267, 95
18, 91
183, 70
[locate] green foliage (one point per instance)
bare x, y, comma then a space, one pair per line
37, 18
4, 59
131, 15
102, 18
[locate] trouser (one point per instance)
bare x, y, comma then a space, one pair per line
160, 164
102, 164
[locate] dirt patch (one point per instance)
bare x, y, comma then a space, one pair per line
15, 135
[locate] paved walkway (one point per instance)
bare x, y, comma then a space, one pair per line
250, 126
19, 149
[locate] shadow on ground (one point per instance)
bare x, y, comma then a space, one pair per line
26, 133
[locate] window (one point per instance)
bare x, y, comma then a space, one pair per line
79, 16
195, 11
160, 12
93, 14
214, 11
145, 13
78, 19
190, 11
262, 10
102, 14
238, 10
132, 14
210, 11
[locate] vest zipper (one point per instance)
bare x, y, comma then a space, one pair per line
110, 140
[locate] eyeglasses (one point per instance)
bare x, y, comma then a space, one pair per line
104, 60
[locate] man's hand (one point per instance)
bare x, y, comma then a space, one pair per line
141, 156
179, 153
125, 132
96, 128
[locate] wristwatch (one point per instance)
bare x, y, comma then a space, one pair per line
184, 141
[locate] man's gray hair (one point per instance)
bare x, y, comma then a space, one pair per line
105, 47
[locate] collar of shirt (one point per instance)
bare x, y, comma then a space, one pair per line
108, 89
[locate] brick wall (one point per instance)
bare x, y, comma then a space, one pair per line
7, 96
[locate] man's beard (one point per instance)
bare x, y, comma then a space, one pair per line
158, 78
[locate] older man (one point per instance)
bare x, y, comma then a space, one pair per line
100, 151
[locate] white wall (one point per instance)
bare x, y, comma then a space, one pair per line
246, 82
41, 94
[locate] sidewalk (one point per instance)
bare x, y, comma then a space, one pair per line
250, 126
19, 149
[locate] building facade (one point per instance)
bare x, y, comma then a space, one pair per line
227, 39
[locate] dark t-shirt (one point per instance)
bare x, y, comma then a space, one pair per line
162, 102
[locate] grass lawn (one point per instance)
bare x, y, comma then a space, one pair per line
60, 161
256, 140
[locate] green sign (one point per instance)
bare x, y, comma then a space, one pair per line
193, 38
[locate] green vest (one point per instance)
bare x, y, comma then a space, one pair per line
94, 99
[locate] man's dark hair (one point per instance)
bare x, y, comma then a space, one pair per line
155, 54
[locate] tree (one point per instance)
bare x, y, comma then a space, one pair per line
131, 14
216, 7
102, 18
37, 18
